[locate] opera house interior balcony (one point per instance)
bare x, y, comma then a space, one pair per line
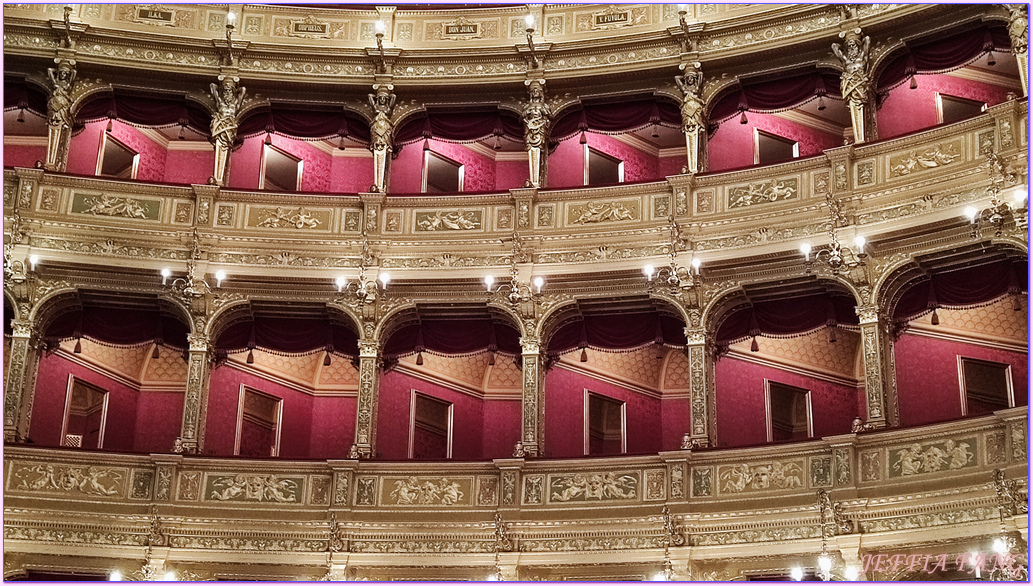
516, 292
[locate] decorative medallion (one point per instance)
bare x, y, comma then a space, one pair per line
593, 486
116, 206
224, 215
546, 216
604, 212
189, 486
319, 490
914, 161
765, 477
821, 472
365, 492
702, 482
866, 173
142, 481
533, 489
761, 193
440, 221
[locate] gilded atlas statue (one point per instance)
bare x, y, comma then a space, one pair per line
381, 133
228, 101
536, 126
693, 114
855, 82
59, 109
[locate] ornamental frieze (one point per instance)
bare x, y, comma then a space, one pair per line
765, 477
427, 491
603, 212
590, 544
69, 480
754, 535
914, 161
247, 543
926, 457
254, 488
116, 206
65, 536
455, 220
593, 486
936, 519
450, 546
296, 218
764, 192
108, 248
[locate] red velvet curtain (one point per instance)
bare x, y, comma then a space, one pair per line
617, 115
121, 326
453, 337
775, 95
941, 54
20, 94
303, 123
786, 317
617, 331
459, 127
965, 287
155, 110
284, 335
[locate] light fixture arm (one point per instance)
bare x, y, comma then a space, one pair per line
530, 45
674, 275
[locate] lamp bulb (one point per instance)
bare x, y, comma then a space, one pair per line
695, 264
384, 279
971, 212
341, 282
33, 261
165, 274
529, 21
850, 573
649, 270
220, 276
169, 577
859, 242
538, 282
796, 574
115, 576
379, 25
489, 280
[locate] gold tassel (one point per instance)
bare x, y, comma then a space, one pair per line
155, 355
821, 103
935, 319
419, 359
78, 346
754, 347
832, 335
326, 359
250, 357
491, 359
584, 355
584, 139
914, 83
659, 352
742, 119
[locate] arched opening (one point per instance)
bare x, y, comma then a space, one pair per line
25, 122
113, 374
146, 136
293, 147
617, 379
776, 118
446, 150
961, 347
451, 386
788, 366
284, 383
616, 139
945, 78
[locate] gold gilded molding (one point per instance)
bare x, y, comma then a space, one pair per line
68, 479
427, 491
603, 212
916, 160
439, 220
594, 486
764, 192
103, 204
254, 488
764, 477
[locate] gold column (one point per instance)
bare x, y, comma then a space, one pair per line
533, 409
874, 347
21, 378
195, 403
701, 376
366, 414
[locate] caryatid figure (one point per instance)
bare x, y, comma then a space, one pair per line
228, 101
536, 128
381, 132
693, 114
59, 110
1018, 30
855, 82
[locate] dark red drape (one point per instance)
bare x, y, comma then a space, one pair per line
622, 115
121, 326
617, 331
146, 110
941, 54
461, 126
773, 95
304, 123
20, 94
787, 316
465, 336
287, 336
964, 287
